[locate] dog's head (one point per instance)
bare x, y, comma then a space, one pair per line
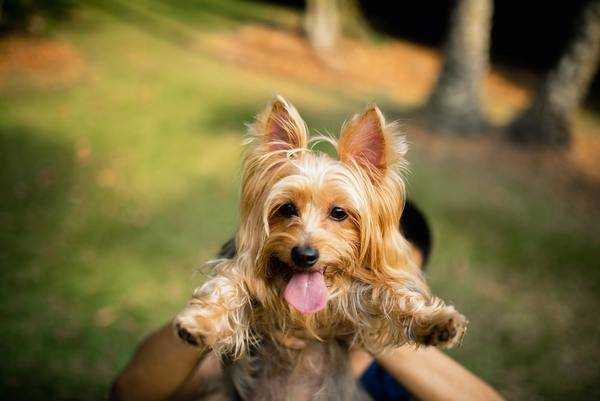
314, 228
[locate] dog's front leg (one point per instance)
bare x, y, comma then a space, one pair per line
421, 317
218, 315
432, 322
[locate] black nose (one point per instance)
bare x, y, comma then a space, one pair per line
304, 256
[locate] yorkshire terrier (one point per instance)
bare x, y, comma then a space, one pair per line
319, 257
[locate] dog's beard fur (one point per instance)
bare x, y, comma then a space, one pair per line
377, 298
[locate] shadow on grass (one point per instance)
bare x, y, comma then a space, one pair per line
529, 244
75, 300
178, 23
36, 176
229, 117
234, 116
150, 22
237, 11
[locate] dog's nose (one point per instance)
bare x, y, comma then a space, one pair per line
304, 256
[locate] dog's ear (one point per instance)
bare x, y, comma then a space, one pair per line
282, 126
366, 142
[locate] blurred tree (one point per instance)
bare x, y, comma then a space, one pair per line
353, 20
325, 21
322, 23
454, 106
546, 121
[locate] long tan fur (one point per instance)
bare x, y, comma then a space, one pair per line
377, 298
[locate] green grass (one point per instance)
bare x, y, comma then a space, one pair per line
117, 185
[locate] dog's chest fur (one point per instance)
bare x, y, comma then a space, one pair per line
319, 372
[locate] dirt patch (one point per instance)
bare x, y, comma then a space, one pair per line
404, 70
45, 62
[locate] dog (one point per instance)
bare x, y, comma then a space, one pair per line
319, 257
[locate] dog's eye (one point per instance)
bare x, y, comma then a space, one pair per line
337, 213
288, 210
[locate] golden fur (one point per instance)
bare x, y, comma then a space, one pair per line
377, 298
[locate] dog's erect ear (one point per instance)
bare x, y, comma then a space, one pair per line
364, 142
283, 128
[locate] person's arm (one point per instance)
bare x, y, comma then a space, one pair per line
430, 375
160, 366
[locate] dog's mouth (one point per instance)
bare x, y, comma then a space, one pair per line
305, 290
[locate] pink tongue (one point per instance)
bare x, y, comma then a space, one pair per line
306, 292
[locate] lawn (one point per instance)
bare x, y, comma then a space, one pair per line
119, 169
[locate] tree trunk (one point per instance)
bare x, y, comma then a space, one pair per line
547, 121
322, 23
352, 20
455, 104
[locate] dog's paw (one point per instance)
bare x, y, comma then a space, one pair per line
186, 335
196, 329
445, 330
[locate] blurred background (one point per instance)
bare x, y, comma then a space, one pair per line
120, 131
